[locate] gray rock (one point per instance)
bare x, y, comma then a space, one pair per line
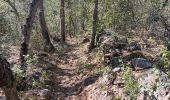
155, 84
117, 69
141, 63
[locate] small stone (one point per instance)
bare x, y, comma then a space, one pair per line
117, 69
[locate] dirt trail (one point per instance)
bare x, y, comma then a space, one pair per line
70, 81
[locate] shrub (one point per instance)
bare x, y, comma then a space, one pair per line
131, 84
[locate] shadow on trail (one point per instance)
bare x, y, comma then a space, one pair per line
57, 87
62, 92
68, 53
64, 77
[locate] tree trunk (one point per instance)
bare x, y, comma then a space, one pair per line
27, 30
62, 17
69, 18
95, 18
45, 32
7, 80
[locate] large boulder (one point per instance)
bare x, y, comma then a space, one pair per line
111, 43
102, 36
141, 63
112, 48
154, 83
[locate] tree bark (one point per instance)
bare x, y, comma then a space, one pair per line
62, 18
69, 17
7, 80
95, 18
45, 32
27, 30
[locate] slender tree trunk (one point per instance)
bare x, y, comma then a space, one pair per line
70, 28
95, 18
27, 30
62, 17
45, 32
7, 80
83, 17
70, 18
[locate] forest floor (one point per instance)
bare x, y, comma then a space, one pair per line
73, 80
73, 74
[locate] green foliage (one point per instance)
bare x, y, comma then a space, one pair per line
124, 14
32, 78
18, 73
31, 60
102, 70
165, 61
4, 25
88, 66
165, 55
83, 65
131, 84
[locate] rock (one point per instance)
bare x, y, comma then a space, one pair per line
155, 83
111, 46
117, 69
102, 37
141, 63
133, 46
134, 54
108, 45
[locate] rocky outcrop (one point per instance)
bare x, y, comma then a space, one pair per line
154, 83
117, 51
